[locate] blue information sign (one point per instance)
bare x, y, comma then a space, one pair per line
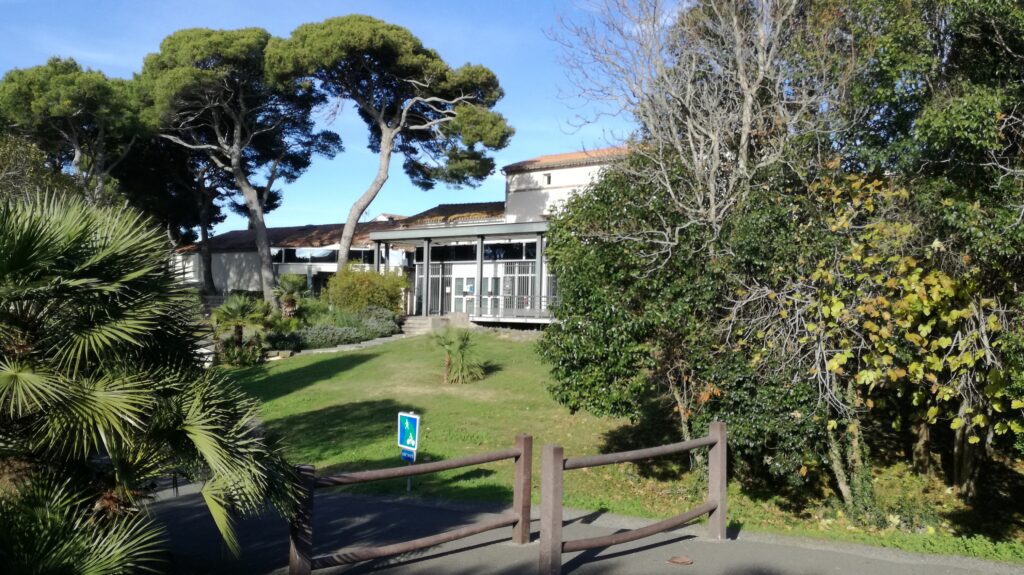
409, 455
408, 430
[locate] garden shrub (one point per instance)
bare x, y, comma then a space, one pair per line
355, 291
313, 312
230, 352
379, 322
321, 336
284, 341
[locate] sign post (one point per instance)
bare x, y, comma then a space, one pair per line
408, 439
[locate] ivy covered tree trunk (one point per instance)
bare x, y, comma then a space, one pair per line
921, 454
965, 456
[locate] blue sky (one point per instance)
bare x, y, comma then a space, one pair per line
508, 37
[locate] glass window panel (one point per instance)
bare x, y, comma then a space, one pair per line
291, 257
458, 285
323, 255
530, 249
511, 251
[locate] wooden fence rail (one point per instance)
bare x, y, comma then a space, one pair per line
554, 466
300, 556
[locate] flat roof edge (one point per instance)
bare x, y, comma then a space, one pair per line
461, 231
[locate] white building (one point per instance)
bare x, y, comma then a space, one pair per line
484, 260
310, 250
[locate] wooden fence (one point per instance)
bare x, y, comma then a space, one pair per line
554, 466
300, 556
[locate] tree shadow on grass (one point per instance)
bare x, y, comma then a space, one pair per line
997, 512
265, 385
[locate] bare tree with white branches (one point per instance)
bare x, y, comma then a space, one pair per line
720, 93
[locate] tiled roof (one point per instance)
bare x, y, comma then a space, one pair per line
445, 214
310, 236
569, 160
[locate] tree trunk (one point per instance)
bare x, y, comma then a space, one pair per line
205, 255
922, 454
696, 456
387, 144
259, 226
835, 459
964, 458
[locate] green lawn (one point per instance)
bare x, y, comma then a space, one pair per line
338, 412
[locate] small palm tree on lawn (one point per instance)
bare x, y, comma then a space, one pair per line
238, 313
290, 289
459, 364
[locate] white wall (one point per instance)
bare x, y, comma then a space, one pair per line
236, 271
187, 267
241, 270
529, 198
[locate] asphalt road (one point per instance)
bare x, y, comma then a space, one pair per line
343, 520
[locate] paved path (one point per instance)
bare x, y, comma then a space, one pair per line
344, 520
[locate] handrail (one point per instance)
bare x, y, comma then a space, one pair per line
418, 469
634, 534
554, 466
636, 454
300, 555
357, 554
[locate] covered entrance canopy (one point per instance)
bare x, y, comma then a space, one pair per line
493, 272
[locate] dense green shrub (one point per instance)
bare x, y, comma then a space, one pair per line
321, 336
379, 322
355, 291
284, 341
321, 312
245, 354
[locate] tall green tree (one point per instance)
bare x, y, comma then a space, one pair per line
183, 191
870, 265
207, 91
441, 119
26, 172
84, 121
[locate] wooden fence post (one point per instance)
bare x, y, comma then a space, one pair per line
521, 496
551, 471
300, 536
717, 481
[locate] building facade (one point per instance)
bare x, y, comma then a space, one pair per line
484, 260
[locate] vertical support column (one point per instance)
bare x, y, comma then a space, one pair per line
521, 496
479, 275
717, 459
426, 277
376, 257
387, 257
551, 471
300, 536
538, 290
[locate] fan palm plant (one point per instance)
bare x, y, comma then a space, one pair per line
238, 313
101, 385
460, 365
290, 289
